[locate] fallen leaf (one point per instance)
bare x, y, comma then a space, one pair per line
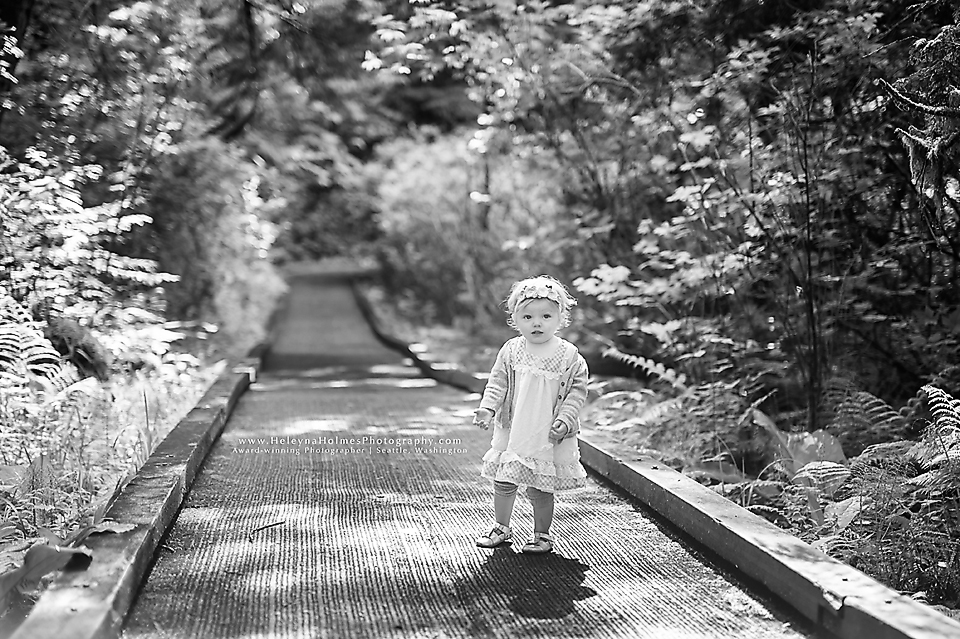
40, 560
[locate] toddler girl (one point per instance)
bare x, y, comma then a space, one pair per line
533, 397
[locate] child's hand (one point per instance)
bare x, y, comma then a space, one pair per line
558, 431
482, 417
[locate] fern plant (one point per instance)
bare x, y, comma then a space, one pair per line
898, 518
25, 354
861, 419
650, 367
938, 453
945, 409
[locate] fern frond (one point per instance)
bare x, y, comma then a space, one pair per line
945, 409
63, 383
656, 413
649, 366
885, 459
881, 453
27, 352
878, 414
939, 450
936, 481
861, 419
73, 395
836, 390
825, 476
12, 312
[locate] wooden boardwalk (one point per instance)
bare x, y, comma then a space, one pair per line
342, 500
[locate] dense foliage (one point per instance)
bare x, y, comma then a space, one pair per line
156, 159
757, 202
739, 182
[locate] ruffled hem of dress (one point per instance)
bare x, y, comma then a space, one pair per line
527, 471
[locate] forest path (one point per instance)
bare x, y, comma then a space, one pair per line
342, 500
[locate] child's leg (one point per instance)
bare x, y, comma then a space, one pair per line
504, 496
542, 509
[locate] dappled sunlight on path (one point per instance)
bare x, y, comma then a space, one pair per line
342, 501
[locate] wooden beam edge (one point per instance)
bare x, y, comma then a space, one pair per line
829, 593
91, 604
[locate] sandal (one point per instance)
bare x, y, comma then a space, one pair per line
540, 544
497, 535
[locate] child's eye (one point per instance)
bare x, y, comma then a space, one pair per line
526, 317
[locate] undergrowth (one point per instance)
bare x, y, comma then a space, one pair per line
70, 442
890, 510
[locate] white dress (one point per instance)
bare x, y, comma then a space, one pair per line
523, 454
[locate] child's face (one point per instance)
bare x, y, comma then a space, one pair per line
538, 320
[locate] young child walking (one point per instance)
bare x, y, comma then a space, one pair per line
533, 398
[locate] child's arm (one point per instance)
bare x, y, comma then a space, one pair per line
496, 386
569, 413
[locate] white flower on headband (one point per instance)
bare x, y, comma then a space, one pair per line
542, 289
533, 291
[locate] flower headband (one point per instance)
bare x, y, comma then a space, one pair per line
539, 288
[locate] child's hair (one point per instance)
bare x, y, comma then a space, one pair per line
540, 287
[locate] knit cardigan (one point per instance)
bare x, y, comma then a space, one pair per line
498, 394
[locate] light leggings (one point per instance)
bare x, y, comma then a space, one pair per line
504, 495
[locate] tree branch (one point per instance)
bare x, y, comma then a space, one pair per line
929, 109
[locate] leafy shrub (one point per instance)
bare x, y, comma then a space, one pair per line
212, 230
57, 254
461, 218
90, 379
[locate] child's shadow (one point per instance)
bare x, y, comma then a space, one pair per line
537, 586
